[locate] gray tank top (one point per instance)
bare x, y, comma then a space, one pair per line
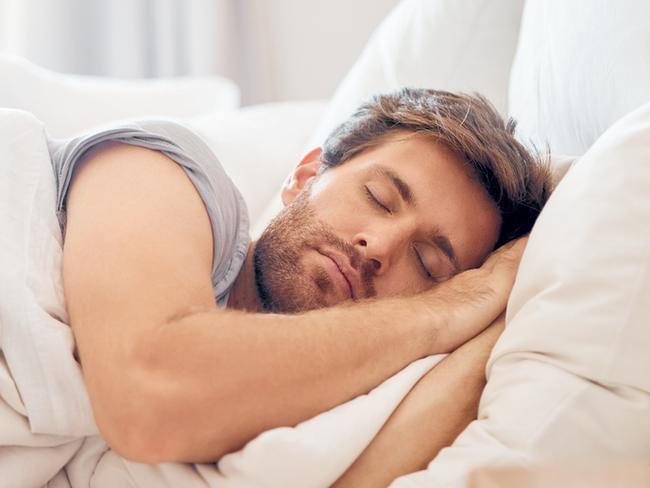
225, 205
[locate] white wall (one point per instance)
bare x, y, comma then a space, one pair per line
307, 46
274, 49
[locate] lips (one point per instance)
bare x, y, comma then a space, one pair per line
344, 269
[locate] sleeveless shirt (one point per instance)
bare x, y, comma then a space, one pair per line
225, 205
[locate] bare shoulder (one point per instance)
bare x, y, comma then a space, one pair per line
137, 252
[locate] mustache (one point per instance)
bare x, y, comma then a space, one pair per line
277, 259
366, 268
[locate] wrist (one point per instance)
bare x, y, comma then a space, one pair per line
461, 308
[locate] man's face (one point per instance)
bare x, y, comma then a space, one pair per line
394, 220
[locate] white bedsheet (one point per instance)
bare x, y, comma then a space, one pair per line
47, 431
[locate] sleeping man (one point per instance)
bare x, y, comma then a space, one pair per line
193, 340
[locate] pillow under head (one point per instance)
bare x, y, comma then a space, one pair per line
569, 380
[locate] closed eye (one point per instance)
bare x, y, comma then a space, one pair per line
375, 201
422, 266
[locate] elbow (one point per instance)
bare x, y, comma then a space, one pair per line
150, 434
147, 417
132, 434
137, 448
136, 440
149, 447
131, 420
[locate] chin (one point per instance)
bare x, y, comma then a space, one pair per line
282, 296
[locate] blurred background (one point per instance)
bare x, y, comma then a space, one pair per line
275, 50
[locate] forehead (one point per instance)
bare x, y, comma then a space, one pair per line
415, 154
447, 195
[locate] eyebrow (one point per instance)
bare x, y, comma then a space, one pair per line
400, 185
440, 240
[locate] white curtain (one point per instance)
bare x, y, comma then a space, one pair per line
141, 38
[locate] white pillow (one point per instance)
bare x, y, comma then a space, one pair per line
68, 104
580, 66
569, 380
455, 45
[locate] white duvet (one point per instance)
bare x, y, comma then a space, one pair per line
47, 432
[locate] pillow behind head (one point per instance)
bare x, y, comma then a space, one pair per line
454, 45
580, 66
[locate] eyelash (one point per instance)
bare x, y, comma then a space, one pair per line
375, 201
422, 267
420, 264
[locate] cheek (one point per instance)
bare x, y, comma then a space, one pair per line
340, 210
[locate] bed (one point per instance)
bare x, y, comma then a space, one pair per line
569, 380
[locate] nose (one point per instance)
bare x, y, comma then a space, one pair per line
380, 248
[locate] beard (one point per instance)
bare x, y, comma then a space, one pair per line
284, 285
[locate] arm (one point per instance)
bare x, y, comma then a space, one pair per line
172, 378
431, 416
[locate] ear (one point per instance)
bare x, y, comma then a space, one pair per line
302, 174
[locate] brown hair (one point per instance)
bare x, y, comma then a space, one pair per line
518, 180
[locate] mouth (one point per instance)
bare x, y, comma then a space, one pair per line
343, 269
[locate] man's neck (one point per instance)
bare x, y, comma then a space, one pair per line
243, 295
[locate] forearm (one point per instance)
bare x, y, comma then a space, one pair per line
218, 379
432, 415
207, 383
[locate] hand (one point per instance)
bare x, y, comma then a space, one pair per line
472, 300
502, 266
